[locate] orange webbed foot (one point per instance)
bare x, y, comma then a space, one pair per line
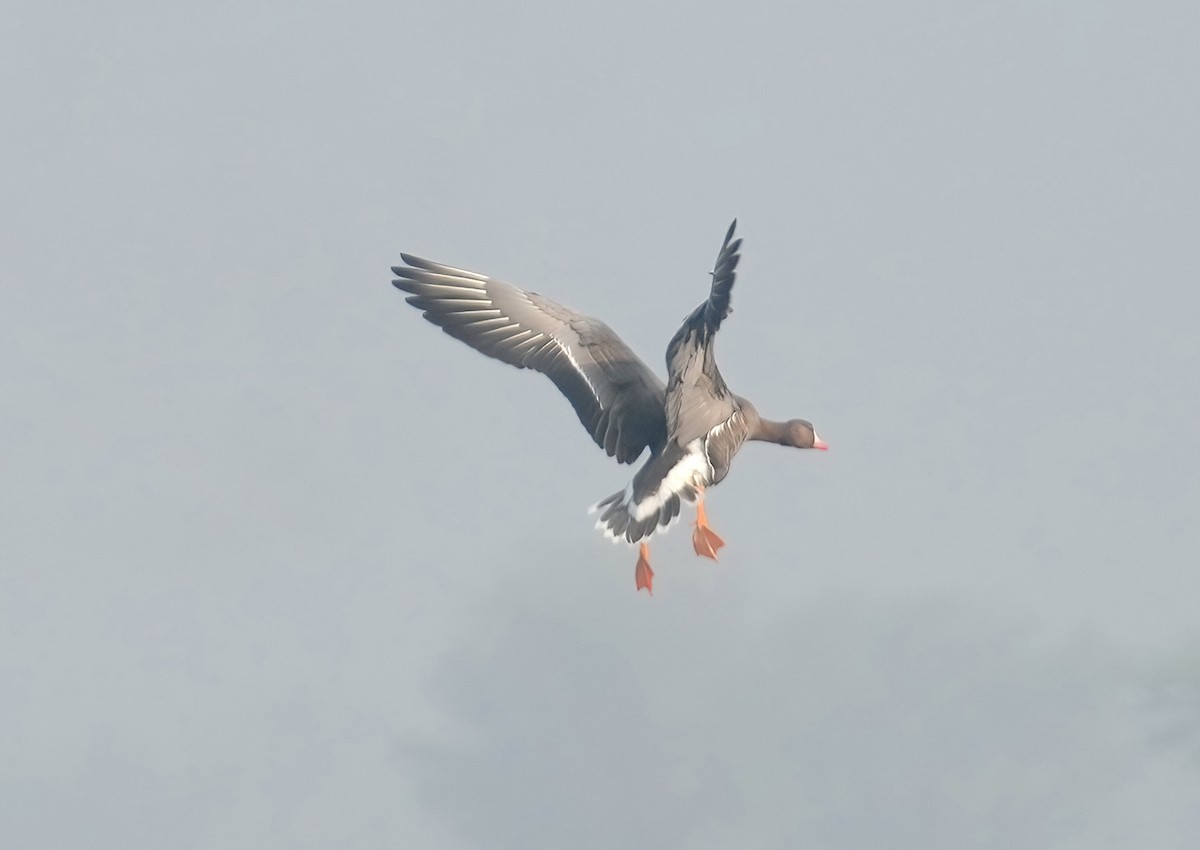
705, 541
642, 574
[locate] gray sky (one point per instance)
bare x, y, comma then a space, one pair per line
283, 566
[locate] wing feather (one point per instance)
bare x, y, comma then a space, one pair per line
616, 396
697, 398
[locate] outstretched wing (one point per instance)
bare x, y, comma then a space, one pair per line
616, 396
697, 398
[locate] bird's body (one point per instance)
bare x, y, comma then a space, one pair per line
693, 425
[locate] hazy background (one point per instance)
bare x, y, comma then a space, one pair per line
283, 566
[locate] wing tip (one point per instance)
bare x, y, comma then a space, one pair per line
420, 264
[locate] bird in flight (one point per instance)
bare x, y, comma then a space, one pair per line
693, 425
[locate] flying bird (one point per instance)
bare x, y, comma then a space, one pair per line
693, 425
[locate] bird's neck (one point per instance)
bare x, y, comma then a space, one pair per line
769, 431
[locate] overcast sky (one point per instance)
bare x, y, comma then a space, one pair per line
283, 566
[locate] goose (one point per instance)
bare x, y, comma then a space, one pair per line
693, 425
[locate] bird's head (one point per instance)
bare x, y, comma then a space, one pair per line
801, 434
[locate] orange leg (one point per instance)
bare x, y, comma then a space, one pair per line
705, 541
643, 575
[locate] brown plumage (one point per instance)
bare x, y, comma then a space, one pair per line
693, 425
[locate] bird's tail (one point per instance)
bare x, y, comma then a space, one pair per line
653, 498
619, 522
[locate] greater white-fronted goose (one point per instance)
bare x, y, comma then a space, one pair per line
693, 426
